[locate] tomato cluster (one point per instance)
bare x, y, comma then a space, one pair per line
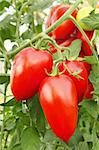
59, 95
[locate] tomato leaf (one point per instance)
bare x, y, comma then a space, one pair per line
16, 147
90, 59
92, 2
83, 146
30, 139
4, 4
96, 40
15, 141
4, 78
75, 49
10, 123
49, 136
36, 113
92, 20
91, 107
7, 27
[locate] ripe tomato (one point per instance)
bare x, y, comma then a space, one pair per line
28, 71
85, 46
58, 98
87, 66
48, 22
67, 27
80, 83
89, 90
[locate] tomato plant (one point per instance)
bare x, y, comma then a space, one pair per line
39, 101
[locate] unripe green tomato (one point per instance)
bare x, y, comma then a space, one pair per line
82, 13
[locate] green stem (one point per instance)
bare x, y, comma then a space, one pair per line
18, 15
50, 29
50, 40
5, 90
14, 52
84, 34
17, 23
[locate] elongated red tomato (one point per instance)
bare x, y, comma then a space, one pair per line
80, 82
28, 72
85, 46
48, 22
89, 90
58, 98
67, 27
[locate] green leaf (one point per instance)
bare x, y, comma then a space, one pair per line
75, 49
40, 4
24, 119
15, 141
92, 2
76, 138
30, 139
4, 78
49, 136
9, 123
16, 147
4, 4
92, 20
90, 59
8, 28
37, 114
97, 41
91, 107
83, 146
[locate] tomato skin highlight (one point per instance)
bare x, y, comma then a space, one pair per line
85, 46
58, 98
89, 90
81, 84
67, 27
28, 71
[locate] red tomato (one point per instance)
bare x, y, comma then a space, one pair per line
88, 66
28, 71
67, 27
58, 98
90, 89
85, 46
81, 84
48, 22
66, 43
